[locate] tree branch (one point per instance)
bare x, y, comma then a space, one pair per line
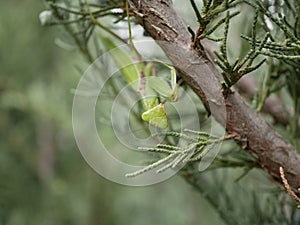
253, 133
247, 86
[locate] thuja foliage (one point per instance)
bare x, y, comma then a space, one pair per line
263, 39
280, 20
196, 146
273, 41
272, 45
209, 22
79, 20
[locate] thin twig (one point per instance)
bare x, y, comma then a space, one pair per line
288, 187
96, 22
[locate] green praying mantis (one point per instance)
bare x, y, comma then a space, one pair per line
142, 79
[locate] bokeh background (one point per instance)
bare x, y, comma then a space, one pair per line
43, 178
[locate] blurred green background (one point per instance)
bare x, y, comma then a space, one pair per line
43, 178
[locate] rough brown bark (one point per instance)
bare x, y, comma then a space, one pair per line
252, 132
